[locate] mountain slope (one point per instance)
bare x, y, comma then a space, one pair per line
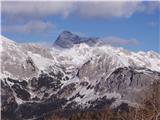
37, 80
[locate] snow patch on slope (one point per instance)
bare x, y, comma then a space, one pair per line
41, 62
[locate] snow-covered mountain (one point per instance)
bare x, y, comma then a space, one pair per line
37, 80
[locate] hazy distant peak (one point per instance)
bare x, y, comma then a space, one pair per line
67, 39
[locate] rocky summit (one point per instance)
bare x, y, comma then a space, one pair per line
67, 39
36, 80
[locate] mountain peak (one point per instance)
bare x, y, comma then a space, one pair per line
67, 39
66, 32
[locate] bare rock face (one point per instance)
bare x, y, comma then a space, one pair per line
129, 82
8, 102
67, 40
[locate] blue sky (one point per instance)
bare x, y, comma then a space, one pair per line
132, 25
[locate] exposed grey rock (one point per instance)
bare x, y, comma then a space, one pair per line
67, 39
8, 102
129, 82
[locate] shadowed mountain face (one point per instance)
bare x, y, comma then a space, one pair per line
67, 39
36, 81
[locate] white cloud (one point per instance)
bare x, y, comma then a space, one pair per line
151, 6
30, 27
107, 9
37, 9
116, 41
92, 9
